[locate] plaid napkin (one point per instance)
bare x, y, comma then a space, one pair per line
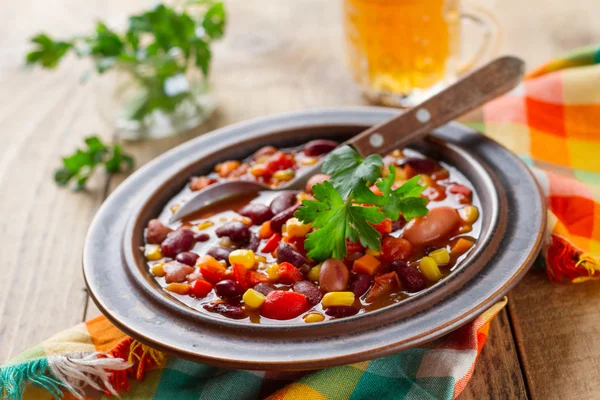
552, 121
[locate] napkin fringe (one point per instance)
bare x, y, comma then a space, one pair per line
70, 372
140, 359
565, 260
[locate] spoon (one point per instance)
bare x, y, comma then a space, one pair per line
475, 89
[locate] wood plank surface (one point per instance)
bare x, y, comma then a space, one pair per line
276, 57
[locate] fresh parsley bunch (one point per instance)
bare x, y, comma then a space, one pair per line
79, 166
157, 46
346, 208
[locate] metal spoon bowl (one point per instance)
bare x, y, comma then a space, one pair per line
486, 83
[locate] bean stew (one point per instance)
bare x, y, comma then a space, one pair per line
245, 259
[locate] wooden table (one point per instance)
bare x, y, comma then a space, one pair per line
278, 56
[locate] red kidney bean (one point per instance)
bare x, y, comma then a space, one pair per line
423, 165
258, 213
252, 243
398, 224
412, 279
188, 258
360, 284
227, 310
320, 146
309, 290
228, 288
201, 237
282, 202
263, 288
334, 275
440, 223
177, 242
286, 253
315, 179
281, 218
219, 253
341, 311
264, 151
176, 272
156, 232
237, 231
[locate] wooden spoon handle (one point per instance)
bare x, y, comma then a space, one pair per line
482, 85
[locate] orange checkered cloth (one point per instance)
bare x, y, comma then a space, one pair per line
552, 120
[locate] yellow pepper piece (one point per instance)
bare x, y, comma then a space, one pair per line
253, 299
313, 317
295, 228
244, 258
285, 175
158, 270
332, 299
273, 272
314, 273
152, 252
430, 270
469, 214
440, 256
204, 225
179, 288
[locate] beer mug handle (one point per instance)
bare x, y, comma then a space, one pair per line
491, 35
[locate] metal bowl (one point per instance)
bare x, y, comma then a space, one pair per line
513, 219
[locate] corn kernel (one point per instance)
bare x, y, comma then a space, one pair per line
440, 256
373, 253
397, 153
308, 161
273, 272
253, 299
430, 270
260, 259
175, 207
204, 225
179, 288
152, 252
313, 317
314, 273
244, 258
332, 299
284, 175
295, 228
469, 214
157, 270
425, 180
465, 229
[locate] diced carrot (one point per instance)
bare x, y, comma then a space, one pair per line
461, 247
212, 270
254, 278
367, 264
265, 231
384, 226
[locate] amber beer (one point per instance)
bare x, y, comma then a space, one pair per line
402, 50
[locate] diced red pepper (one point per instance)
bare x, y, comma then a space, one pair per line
384, 226
354, 247
298, 242
288, 274
254, 278
283, 305
272, 243
393, 249
211, 269
279, 161
200, 288
239, 274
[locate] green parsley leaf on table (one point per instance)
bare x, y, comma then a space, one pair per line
79, 166
335, 221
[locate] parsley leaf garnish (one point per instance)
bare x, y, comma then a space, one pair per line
79, 166
345, 208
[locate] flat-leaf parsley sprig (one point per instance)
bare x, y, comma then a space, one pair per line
346, 208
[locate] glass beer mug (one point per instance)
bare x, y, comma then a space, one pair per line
402, 51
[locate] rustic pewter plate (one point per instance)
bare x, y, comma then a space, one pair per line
513, 219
